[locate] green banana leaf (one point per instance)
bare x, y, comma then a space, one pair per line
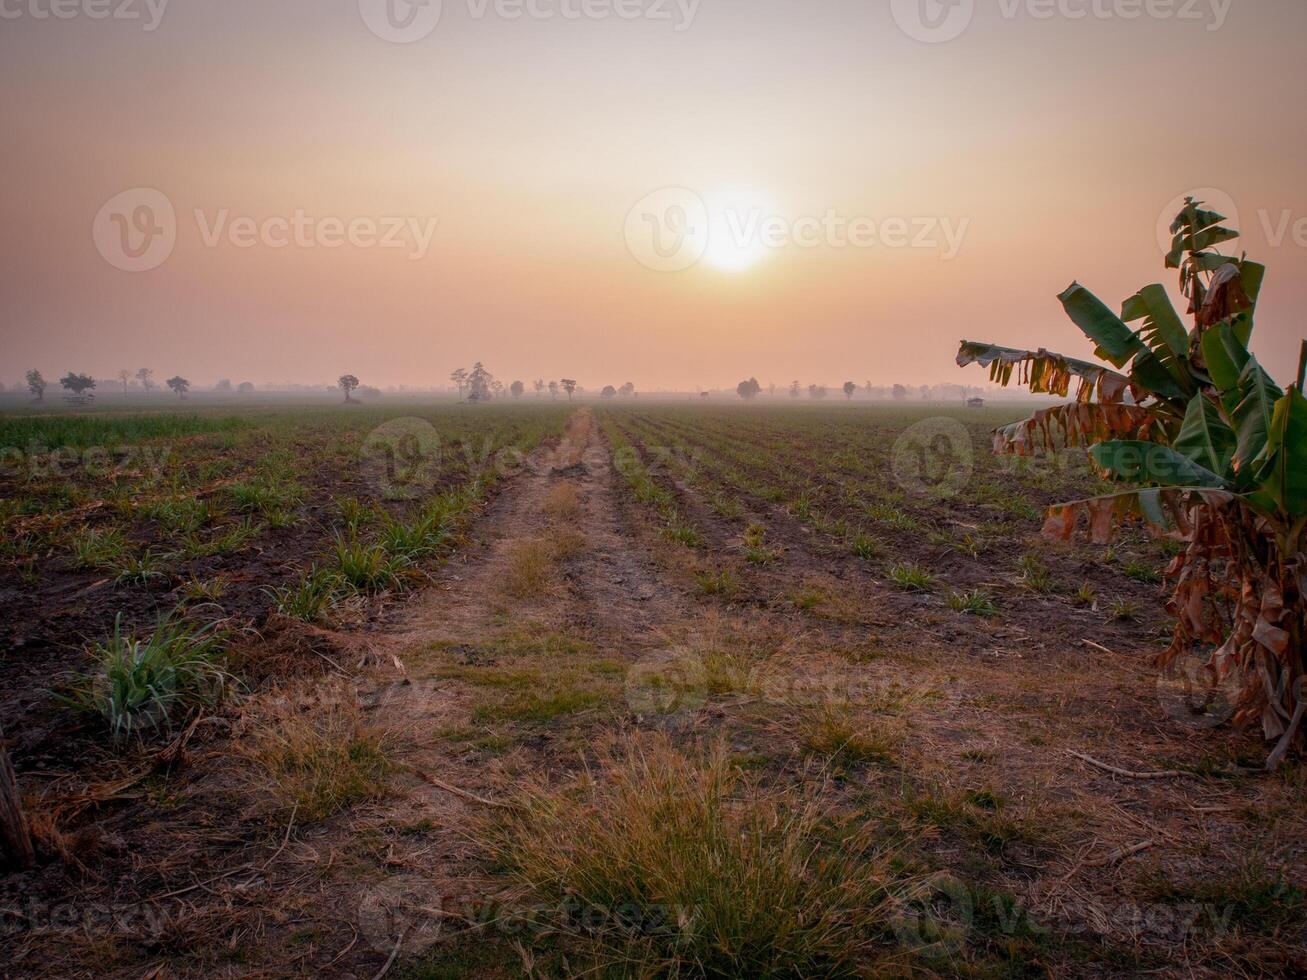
1162, 328
1148, 372
1226, 354
1115, 342
1205, 438
1283, 473
1136, 461
1252, 416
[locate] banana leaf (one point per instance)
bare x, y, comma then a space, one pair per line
1165, 509
1116, 343
1204, 437
1136, 461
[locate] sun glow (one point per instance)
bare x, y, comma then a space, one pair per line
737, 222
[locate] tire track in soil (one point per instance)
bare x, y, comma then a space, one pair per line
613, 597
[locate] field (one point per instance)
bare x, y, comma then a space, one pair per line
611, 689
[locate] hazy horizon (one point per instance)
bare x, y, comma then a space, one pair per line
869, 197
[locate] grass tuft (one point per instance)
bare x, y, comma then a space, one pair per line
740, 884
318, 754
137, 684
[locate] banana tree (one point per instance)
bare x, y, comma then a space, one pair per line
1215, 453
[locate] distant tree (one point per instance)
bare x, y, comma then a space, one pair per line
179, 384
78, 384
347, 383
569, 386
771, 390
539, 386
223, 385
748, 390
516, 388
816, 391
498, 388
794, 389
608, 392
867, 388
245, 387
925, 392
627, 390
146, 377
369, 391
849, 389
478, 383
553, 390
125, 379
900, 392
459, 378
36, 384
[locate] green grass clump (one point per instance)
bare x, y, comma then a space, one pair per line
865, 546
368, 567
310, 598
139, 569
910, 576
716, 581
137, 684
977, 602
94, 548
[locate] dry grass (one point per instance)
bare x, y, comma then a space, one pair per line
741, 884
316, 754
529, 573
566, 542
563, 503
833, 732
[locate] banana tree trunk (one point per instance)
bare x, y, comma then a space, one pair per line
16, 847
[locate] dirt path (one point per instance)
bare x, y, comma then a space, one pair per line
603, 609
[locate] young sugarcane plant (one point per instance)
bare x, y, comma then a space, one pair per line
1217, 451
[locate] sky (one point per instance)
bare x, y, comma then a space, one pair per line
677, 193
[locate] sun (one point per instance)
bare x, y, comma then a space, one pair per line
737, 219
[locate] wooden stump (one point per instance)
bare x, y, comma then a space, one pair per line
16, 847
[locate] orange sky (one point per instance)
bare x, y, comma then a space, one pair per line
1052, 144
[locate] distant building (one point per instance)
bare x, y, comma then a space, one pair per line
975, 403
